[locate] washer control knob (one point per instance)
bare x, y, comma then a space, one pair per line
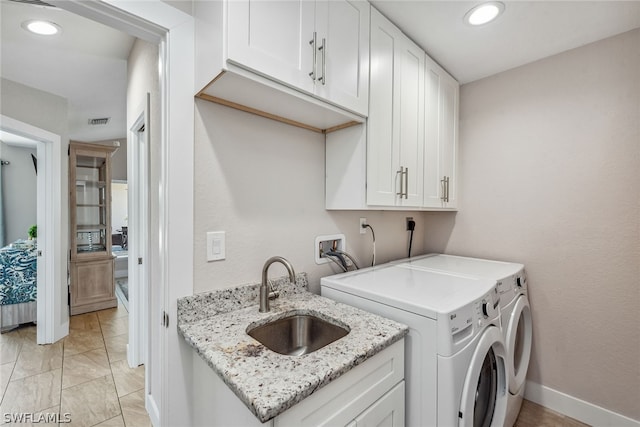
485, 309
519, 281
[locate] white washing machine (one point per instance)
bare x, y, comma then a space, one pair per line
455, 356
514, 308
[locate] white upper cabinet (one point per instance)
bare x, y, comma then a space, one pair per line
302, 62
320, 47
395, 134
342, 53
272, 39
441, 141
405, 157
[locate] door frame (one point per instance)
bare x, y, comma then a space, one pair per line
173, 30
52, 312
138, 235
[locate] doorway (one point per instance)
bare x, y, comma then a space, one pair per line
171, 254
171, 229
52, 316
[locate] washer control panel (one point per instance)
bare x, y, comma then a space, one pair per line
464, 323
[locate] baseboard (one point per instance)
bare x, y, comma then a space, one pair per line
576, 408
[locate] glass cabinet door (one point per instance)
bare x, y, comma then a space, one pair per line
91, 205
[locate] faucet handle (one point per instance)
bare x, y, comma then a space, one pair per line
273, 294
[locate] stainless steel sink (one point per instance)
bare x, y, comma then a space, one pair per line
297, 334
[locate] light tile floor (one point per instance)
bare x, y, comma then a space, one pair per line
85, 375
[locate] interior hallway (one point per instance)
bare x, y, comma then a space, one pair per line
85, 375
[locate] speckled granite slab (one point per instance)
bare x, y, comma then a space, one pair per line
207, 304
267, 382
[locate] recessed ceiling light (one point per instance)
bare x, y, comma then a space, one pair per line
43, 28
484, 13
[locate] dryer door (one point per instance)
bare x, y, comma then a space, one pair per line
484, 394
518, 340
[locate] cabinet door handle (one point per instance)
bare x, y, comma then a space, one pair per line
404, 182
401, 173
323, 50
445, 189
314, 64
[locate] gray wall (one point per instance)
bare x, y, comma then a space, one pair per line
550, 177
19, 192
262, 182
48, 112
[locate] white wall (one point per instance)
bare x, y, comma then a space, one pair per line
19, 192
262, 182
550, 177
48, 112
119, 213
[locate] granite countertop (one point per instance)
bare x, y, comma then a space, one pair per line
268, 383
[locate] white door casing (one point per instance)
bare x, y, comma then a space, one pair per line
158, 22
138, 237
52, 311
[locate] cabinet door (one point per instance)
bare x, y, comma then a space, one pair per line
441, 138
342, 28
449, 98
396, 117
382, 148
388, 411
92, 286
272, 38
409, 84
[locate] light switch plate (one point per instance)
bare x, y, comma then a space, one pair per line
215, 245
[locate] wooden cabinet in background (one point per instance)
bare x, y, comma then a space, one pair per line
92, 286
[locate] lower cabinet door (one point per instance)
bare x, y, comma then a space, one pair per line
388, 411
92, 286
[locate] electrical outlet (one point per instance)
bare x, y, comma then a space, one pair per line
409, 218
363, 221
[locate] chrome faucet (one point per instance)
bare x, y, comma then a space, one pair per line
265, 294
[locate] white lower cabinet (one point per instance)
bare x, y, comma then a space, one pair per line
388, 411
370, 394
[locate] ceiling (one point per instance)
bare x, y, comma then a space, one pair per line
87, 63
525, 32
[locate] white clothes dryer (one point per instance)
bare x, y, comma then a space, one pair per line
455, 357
515, 311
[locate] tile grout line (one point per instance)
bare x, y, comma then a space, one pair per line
111, 370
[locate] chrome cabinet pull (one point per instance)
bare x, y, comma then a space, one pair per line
401, 173
312, 42
404, 182
445, 189
323, 49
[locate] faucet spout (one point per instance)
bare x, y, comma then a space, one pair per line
265, 295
